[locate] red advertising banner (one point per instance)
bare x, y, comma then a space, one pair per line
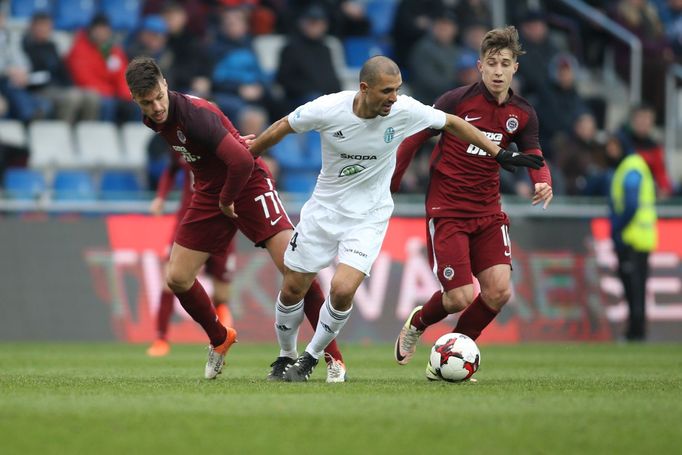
562, 285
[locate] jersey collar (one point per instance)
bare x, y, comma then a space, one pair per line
489, 96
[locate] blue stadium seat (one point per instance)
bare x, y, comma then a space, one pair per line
73, 14
24, 184
24, 9
123, 14
299, 182
118, 185
380, 13
360, 48
74, 185
298, 152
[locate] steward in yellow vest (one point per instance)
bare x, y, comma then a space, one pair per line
634, 234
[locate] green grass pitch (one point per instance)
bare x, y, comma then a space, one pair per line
545, 399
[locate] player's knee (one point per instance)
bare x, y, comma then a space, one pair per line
178, 282
496, 297
456, 300
292, 293
342, 296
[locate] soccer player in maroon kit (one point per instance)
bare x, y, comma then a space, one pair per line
232, 191
219, 267
467, 230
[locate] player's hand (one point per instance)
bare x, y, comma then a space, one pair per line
248, 139
543, 193
156, 207
228, 210
511, 157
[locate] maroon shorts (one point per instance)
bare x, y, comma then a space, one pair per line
260, 216
460, 247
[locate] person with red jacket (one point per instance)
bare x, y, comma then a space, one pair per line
96, 63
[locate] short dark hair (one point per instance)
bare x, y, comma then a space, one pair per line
374, 66
502, 38
143, 75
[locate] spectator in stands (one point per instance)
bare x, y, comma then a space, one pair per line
344, 17
237, 76
582, 158
254, 120
198, 13
466, 68
473, 12
637, 136
95, 62
14, 80
641, 18
411, 21
558, 103
150, 40
306, 69
670, 12
432, 60
539, 52
50, 78
192, 65
472, 36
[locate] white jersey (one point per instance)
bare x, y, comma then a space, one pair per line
359, 155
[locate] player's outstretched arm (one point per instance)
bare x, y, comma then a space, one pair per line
271, 136
508, 159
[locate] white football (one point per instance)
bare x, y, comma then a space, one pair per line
454, 358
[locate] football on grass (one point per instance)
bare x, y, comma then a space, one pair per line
454, 358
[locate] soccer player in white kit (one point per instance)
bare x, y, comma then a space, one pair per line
348, 212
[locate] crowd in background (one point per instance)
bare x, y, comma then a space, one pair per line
205, 48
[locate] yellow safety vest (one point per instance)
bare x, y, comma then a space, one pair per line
640, 233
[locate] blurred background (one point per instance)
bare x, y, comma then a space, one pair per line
82, 258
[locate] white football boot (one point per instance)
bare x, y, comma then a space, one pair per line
406, 344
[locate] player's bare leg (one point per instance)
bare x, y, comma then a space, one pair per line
183, 267
495, 284
333, 316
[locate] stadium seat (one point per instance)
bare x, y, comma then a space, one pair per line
73, 14
135, 138
51, 144
24, 9
74, 185
381, 14
12, 132
267, 49
298, 152
119, 185
98, 144
24, 184
299, 182
360, 48
123, 14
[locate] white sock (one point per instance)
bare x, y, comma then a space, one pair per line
328, 327
287, 321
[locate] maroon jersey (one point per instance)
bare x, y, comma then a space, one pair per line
465, 180
210, 144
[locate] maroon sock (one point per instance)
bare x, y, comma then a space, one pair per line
475, 318
312, 302
197, 304
164, 314
432, 312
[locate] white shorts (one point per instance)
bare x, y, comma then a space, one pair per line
322, 234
